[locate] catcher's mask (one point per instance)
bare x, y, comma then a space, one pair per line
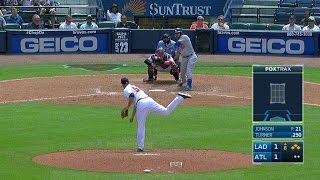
160, 52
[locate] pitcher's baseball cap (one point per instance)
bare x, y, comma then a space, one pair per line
124, 80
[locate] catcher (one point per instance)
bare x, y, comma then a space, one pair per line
163, 62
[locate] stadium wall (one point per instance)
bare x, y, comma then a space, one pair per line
205, 41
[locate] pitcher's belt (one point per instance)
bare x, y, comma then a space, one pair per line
141, 98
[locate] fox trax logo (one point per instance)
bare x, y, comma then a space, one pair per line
264, 45
57, 44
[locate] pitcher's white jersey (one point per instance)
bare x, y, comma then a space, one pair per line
137, 92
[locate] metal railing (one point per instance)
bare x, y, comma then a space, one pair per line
227, 7
258, 13
36, 9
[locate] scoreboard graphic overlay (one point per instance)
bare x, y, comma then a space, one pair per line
277, 114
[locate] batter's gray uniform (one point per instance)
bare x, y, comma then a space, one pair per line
189, 59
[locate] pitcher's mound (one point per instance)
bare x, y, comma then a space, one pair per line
157, 161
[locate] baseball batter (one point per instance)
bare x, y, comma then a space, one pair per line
143, 105
163, 62
189, 58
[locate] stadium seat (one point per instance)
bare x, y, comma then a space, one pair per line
106, 24
275, 26
79, 24
316, 3
286, 10
287, 3
12, 26
315, 12
239, 26
282, 15
281, 19
257, 26
24, 25
306, 3
299, 12
131, 25
317, 19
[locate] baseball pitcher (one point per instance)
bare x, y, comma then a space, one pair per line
143, 105
163, 62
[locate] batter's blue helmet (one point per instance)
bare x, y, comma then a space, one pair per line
178, 30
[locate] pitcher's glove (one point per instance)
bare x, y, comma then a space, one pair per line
124, 113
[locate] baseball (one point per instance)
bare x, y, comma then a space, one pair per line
147, 170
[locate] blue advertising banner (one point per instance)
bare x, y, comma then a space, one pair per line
3, 42
265, 43
167, 7
94, 41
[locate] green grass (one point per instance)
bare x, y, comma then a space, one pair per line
45, 70
30, 129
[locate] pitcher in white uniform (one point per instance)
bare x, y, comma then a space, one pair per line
189, 58
143, 105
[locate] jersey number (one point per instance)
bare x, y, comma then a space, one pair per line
136, 89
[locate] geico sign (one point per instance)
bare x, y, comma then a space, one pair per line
258, 45
32, 45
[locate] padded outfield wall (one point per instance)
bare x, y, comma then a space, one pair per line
300, 43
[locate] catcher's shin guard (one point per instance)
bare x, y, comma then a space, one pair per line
175, 71
151, 71
155, 73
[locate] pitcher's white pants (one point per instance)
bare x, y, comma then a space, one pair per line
146, 106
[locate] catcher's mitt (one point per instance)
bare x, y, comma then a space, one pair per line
157, 60
124, 113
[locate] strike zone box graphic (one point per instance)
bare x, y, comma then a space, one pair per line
277, 93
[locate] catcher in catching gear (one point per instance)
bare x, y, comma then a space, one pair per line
163, 62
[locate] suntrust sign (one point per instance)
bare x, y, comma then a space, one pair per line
168, 7
179, 9
266, 45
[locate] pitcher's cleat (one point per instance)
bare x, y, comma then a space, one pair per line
184, 95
